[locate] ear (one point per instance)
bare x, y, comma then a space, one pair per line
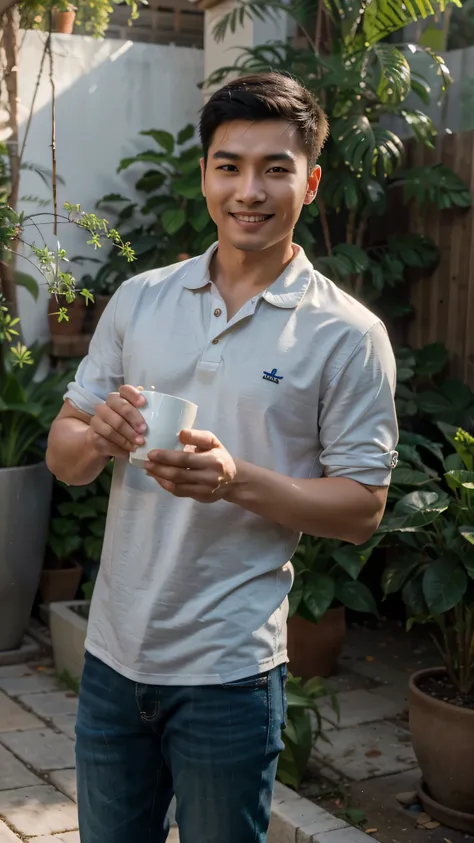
313, 184
203, 176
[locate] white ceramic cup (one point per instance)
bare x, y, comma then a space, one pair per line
165, 417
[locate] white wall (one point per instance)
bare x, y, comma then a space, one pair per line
106, 93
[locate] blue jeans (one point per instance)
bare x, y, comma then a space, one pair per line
215, 747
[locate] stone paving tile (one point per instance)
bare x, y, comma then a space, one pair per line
344, 835
358, 707
376, 749
32, 684
38, 810
7, 836
51, 704
44, 750
66, 723
13, 717
65, 781
13, 773
67, 837
11, 671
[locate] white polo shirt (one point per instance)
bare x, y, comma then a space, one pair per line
299, 381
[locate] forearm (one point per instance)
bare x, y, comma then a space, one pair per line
334, 508
69, 456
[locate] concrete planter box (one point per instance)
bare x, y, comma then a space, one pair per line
68, 625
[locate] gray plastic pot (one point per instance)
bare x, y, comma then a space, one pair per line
25, 499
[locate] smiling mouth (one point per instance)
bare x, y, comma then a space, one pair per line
252, 218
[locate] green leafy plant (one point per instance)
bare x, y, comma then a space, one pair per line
434, 572
305, 725
364, 83
326, 574
423, 390
27, 406
77, 523
93, 17
177, 222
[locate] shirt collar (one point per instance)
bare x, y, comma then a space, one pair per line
287, 291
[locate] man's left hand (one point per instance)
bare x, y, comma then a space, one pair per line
202, 471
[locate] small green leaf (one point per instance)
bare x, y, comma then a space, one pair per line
468, 534
173, 220
185, 134
356, 596
396, 574
318, 595
457, 480
28, 282
163, 139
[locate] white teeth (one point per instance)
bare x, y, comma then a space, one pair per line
244, 218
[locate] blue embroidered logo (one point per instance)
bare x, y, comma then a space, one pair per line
272, 376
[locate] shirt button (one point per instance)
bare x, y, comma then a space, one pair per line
214, 342
217, 311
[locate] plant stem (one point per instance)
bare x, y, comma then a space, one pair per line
33, 101
325, 226
53, 127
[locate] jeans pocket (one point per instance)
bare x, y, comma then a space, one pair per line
250, 683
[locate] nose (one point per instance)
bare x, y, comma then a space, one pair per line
250, 189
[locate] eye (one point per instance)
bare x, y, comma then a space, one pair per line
228, 168
278, 170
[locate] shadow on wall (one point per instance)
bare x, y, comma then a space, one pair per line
106, 93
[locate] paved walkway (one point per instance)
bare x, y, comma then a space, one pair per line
37, 764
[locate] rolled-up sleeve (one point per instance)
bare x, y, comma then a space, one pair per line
358, 423
101, 371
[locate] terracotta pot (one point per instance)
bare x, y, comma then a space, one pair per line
76, 312
443, 740
447, 816
95, 311
64, 21
314, 648
59, 584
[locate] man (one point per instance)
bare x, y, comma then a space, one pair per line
183, 690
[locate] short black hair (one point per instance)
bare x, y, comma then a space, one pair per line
266, 96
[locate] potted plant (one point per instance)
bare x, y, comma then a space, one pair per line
93, 16
27, 408
325, 583
434, 572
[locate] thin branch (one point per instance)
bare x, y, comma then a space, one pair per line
53, 127
33, 101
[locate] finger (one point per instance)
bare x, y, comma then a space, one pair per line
203, 439
133, 395
197, 493
180, 476
180, 459
127, 411
106, 447
105, 425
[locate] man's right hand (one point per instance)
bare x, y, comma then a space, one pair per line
117, 427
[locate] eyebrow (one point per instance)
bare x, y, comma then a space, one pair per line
234, 156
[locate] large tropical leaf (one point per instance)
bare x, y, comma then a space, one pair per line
396, 573
435, 183
395, 75
421, 125
356, 596
382, 17
444, 584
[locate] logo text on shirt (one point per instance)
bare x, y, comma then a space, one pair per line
272, 376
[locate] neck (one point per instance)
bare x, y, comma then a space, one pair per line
249, 272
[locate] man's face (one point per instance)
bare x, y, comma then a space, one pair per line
256, 181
